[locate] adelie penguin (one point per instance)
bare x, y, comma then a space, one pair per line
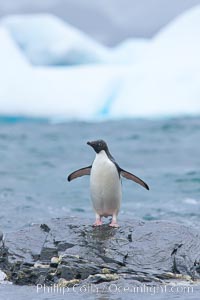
105, 182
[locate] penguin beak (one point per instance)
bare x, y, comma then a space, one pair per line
90, 144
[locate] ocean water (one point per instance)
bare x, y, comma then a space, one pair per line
37, 155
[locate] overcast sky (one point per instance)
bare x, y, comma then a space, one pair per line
108, 21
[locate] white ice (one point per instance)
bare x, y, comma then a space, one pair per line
48, 68
47, 40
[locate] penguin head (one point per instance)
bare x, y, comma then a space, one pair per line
98, 145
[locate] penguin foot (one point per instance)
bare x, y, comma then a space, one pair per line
97, 223
114, 224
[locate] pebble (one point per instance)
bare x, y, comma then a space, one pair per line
103, 277
55, 260
67, 283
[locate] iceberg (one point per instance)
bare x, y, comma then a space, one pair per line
166, 81
50, 69
47, 40
53, 92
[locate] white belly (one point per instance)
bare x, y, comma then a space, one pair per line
105, 186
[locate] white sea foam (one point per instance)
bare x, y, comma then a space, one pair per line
48, 68
191, 201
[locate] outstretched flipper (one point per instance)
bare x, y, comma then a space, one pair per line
130, 176
79, 173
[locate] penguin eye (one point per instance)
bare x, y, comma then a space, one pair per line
100, 145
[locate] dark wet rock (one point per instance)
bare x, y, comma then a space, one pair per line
45, 227
1, 241
64, 249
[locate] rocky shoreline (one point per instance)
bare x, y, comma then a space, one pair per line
68, 253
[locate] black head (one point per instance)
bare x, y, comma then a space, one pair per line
98, 146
